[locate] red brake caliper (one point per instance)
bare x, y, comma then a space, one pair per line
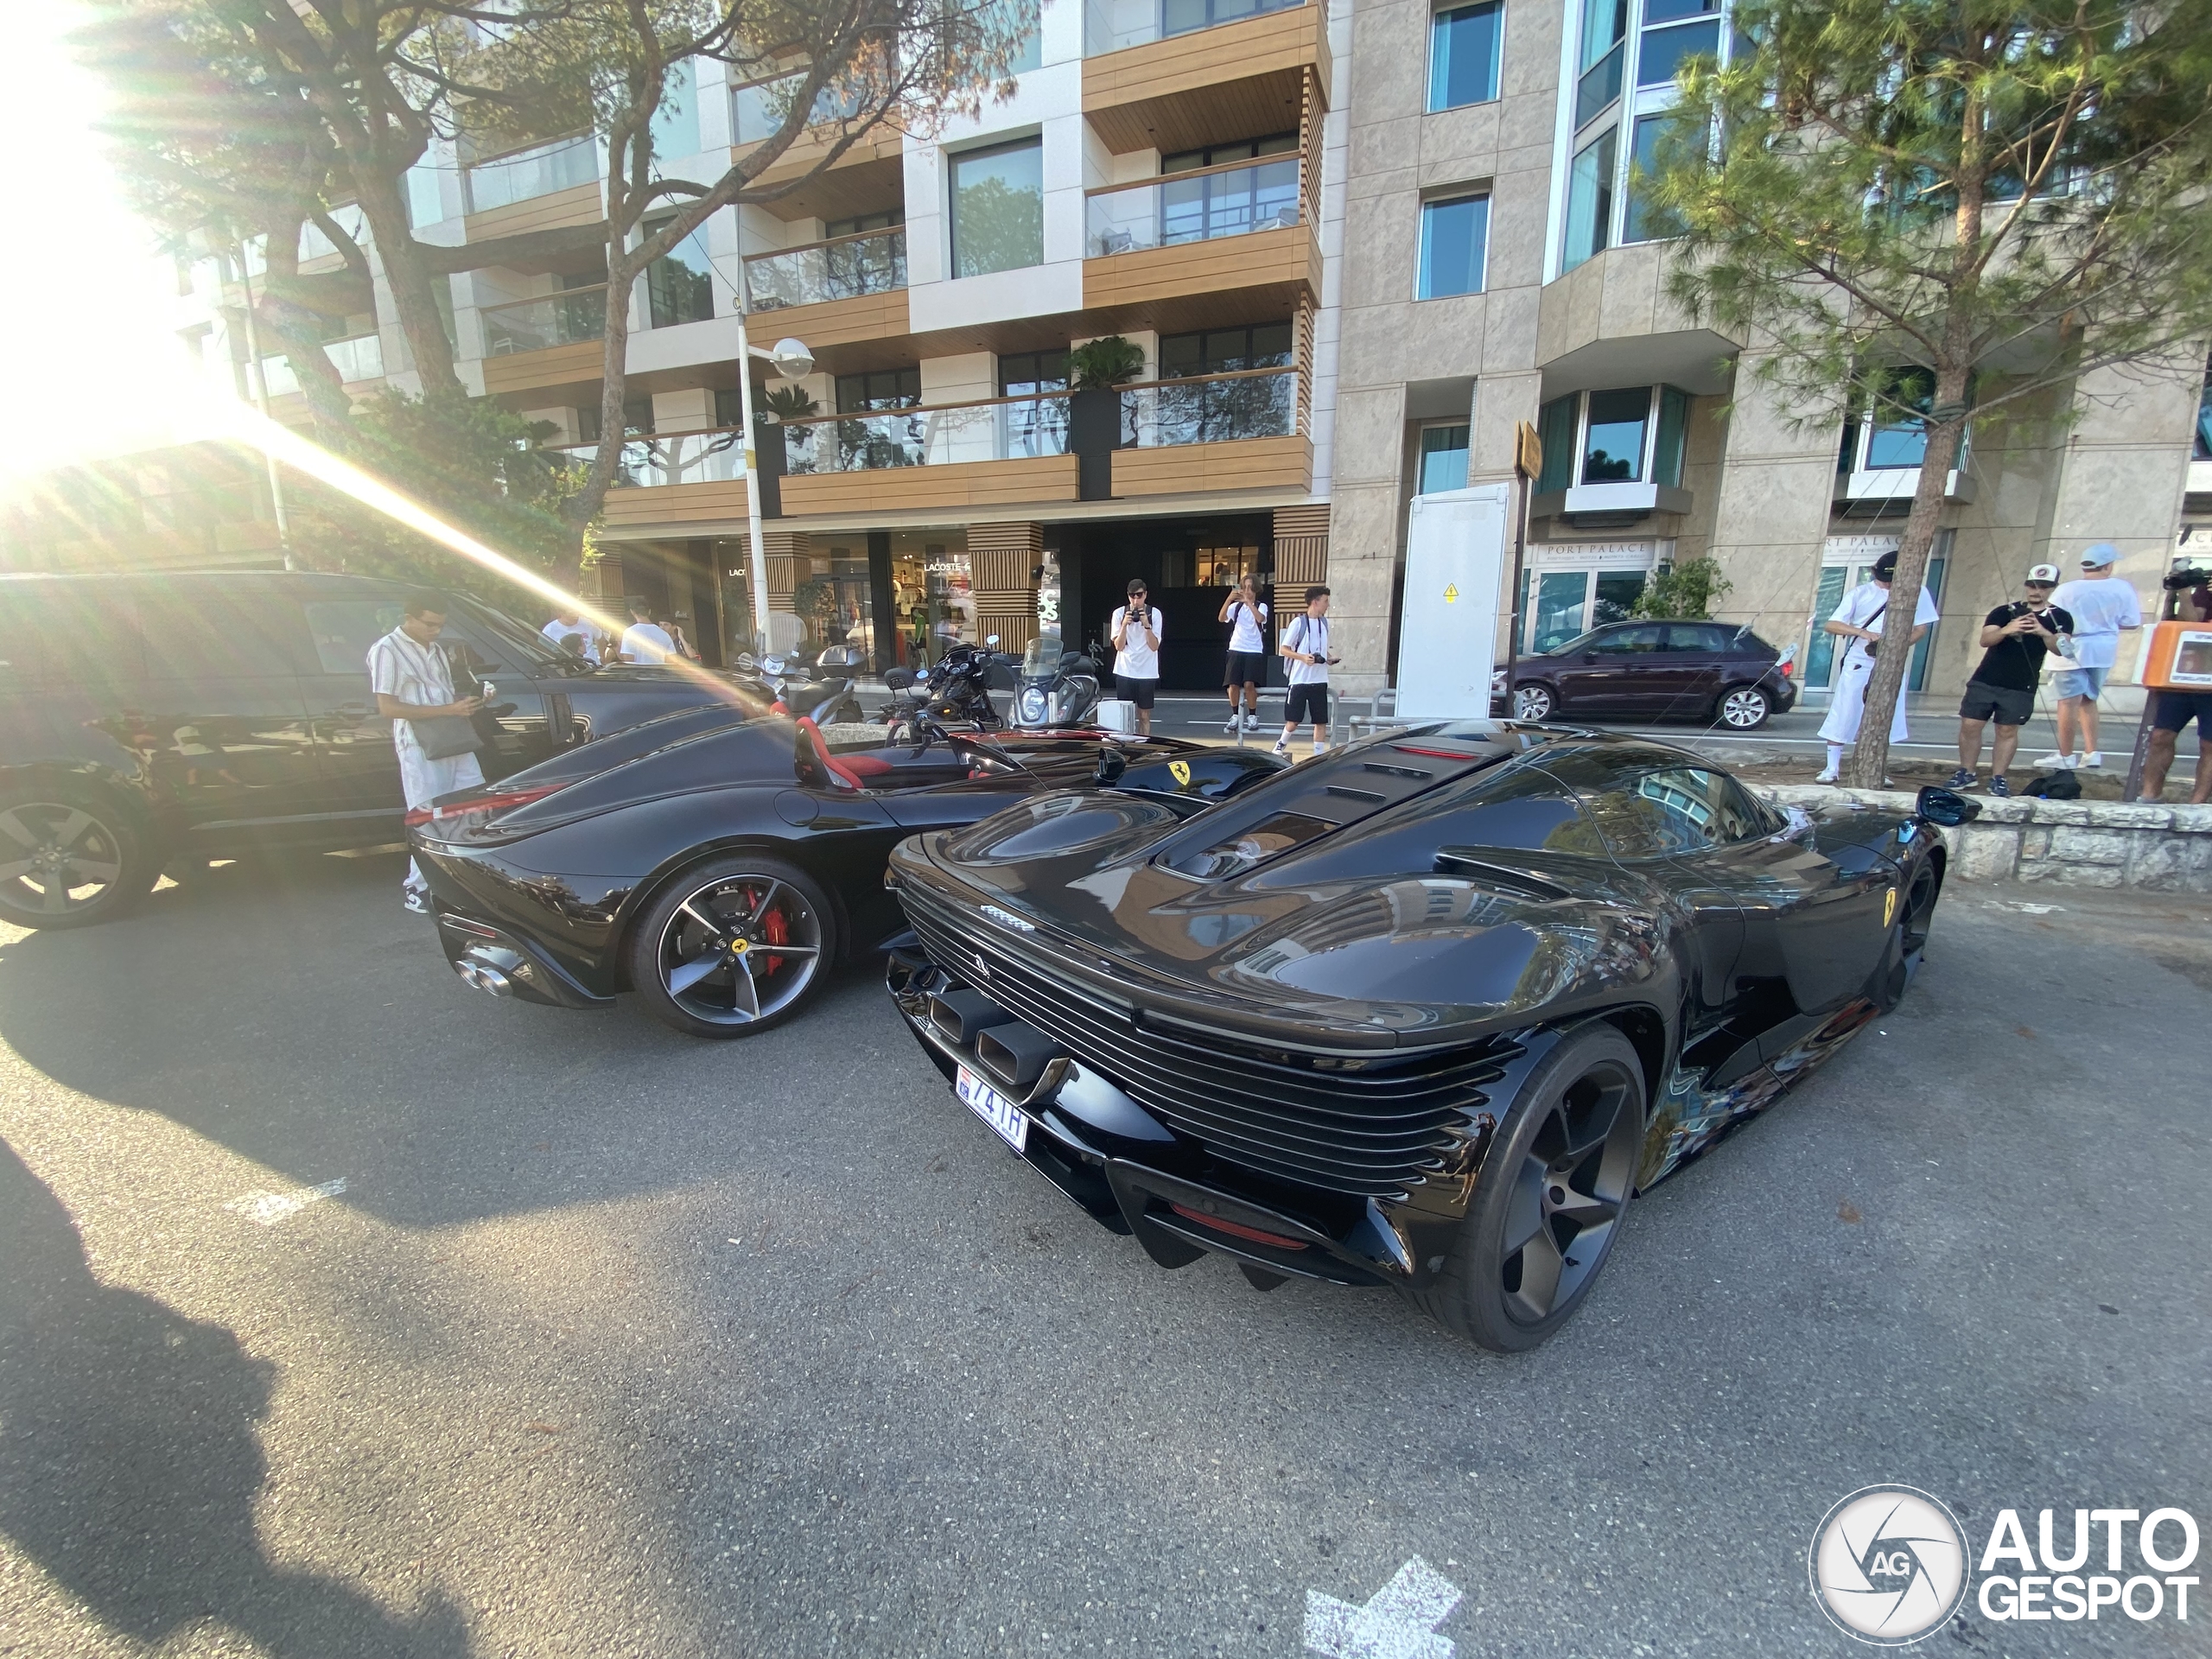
776, 930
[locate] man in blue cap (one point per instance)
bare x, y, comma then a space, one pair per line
2103, 608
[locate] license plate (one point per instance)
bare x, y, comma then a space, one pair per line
994, 1108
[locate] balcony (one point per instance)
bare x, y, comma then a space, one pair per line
867, 178
551, 340
358, 358
1239, 431
853, 288
673, 477
993, 450
1182, 74
1243, 226
1878, 471
533, 189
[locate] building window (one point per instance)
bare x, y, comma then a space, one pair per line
1463, 56
879, 389
1181, 17
1038, 425
678, 288
834, 228
729, 406
1454, 236
2203, 450
1262, 197
1224, 351
676, 122
1555, 431
1612, 447
1590, 201
1010, 14
1026, 374
1443, 459
1605, 27
998, 208
1675, 30
1645, 221
1897, 439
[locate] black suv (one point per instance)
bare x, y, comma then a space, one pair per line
1712, 672
159, 721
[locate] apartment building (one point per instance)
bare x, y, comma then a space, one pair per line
1159, 172
1498, 270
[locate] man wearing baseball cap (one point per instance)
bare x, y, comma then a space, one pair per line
1864, 618
2103, 608
2014, 637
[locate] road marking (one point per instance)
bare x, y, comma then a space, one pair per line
269, 1208
1399, 1623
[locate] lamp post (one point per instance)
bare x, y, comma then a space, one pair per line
793, 361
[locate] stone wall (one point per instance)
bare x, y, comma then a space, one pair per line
2161, 849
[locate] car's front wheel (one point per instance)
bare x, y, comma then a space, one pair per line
69, 858
1744, 709
1550, 1200
733, 946
1532, 702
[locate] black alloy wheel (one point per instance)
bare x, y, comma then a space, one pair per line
1743, 708
1920, 908
1533, 702
732, 947
67, 859
1906, 937
1551, 1197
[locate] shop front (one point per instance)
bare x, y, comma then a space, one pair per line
1569, 587
1846, 561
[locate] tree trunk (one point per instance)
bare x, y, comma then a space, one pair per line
1868, 766
583, 509
278, 309
392, 235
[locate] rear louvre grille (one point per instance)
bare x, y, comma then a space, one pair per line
1368, 1133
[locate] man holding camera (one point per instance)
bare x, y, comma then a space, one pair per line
1136, 655
2015, 637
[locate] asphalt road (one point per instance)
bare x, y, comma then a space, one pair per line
615, 1343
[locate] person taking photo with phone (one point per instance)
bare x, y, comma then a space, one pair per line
2015, 638
412, 679
1136, 655
1246, 612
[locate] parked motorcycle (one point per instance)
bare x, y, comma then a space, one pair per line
1056, 687
956, 691
819, 683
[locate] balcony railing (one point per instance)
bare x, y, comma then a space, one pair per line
358, 358
1197, 207
713, 456
757, 111
995, 428
539, 172
844, 268
1210, 409
560, 319
1110, 25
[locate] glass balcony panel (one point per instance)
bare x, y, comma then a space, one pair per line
758, 110
1161, 213
843, 270
999, 429
1110, 25
555, 319
1599, 86
670, 458
358, 358
1214, 409
538, 172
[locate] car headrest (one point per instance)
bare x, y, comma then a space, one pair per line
816, 764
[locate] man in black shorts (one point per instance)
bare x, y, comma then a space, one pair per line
1136, 655
2016, 637
2168, 718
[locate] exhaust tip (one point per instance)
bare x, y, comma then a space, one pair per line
483, 977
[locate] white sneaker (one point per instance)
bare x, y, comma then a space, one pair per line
1232, 724
2063, 762
1827, 778
1251, 723
2094, 758
1283, 746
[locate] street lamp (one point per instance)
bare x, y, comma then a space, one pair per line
791, 360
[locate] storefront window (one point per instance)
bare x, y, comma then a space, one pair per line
936, 599
733, 569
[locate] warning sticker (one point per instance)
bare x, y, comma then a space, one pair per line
1451, 593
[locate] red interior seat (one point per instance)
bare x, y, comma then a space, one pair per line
853, 771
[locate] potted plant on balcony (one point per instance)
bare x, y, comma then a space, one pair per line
1097, 369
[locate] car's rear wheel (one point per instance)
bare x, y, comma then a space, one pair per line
69, 858
1551, 1197
1532, 702
1743, 708
732, 947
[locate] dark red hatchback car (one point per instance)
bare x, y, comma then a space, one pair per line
1712, 672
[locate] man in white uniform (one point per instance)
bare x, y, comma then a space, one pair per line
2103, 608
413, 680
1862, 619
572, 622
645, 640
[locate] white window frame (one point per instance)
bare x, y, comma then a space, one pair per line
1443, 198
1437, 9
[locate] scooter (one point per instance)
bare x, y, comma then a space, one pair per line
1056, 687
798, 683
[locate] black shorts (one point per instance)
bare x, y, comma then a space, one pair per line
1309, 702
1246, 668
1140, 692
2005, 704
2176, 708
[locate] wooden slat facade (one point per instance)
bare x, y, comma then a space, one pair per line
1289, 258
837, 322
556, 366
967, 484
578, 204
1302, 540
1199, 468
1216, 64
1002, 560
676, 504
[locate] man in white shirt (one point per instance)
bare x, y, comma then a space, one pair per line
1306, 649
1863, 619
1246, 612
644, 640
412, 680
571, 621
2103, 608
1136, 655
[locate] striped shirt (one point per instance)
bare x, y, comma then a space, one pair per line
404, 668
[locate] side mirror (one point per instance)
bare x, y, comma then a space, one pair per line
1946, 807
1589, 656
1112, 763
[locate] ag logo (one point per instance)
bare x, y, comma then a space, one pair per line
1888, 1564
1181, 771
1889, 906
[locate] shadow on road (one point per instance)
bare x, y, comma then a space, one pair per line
128, 1458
